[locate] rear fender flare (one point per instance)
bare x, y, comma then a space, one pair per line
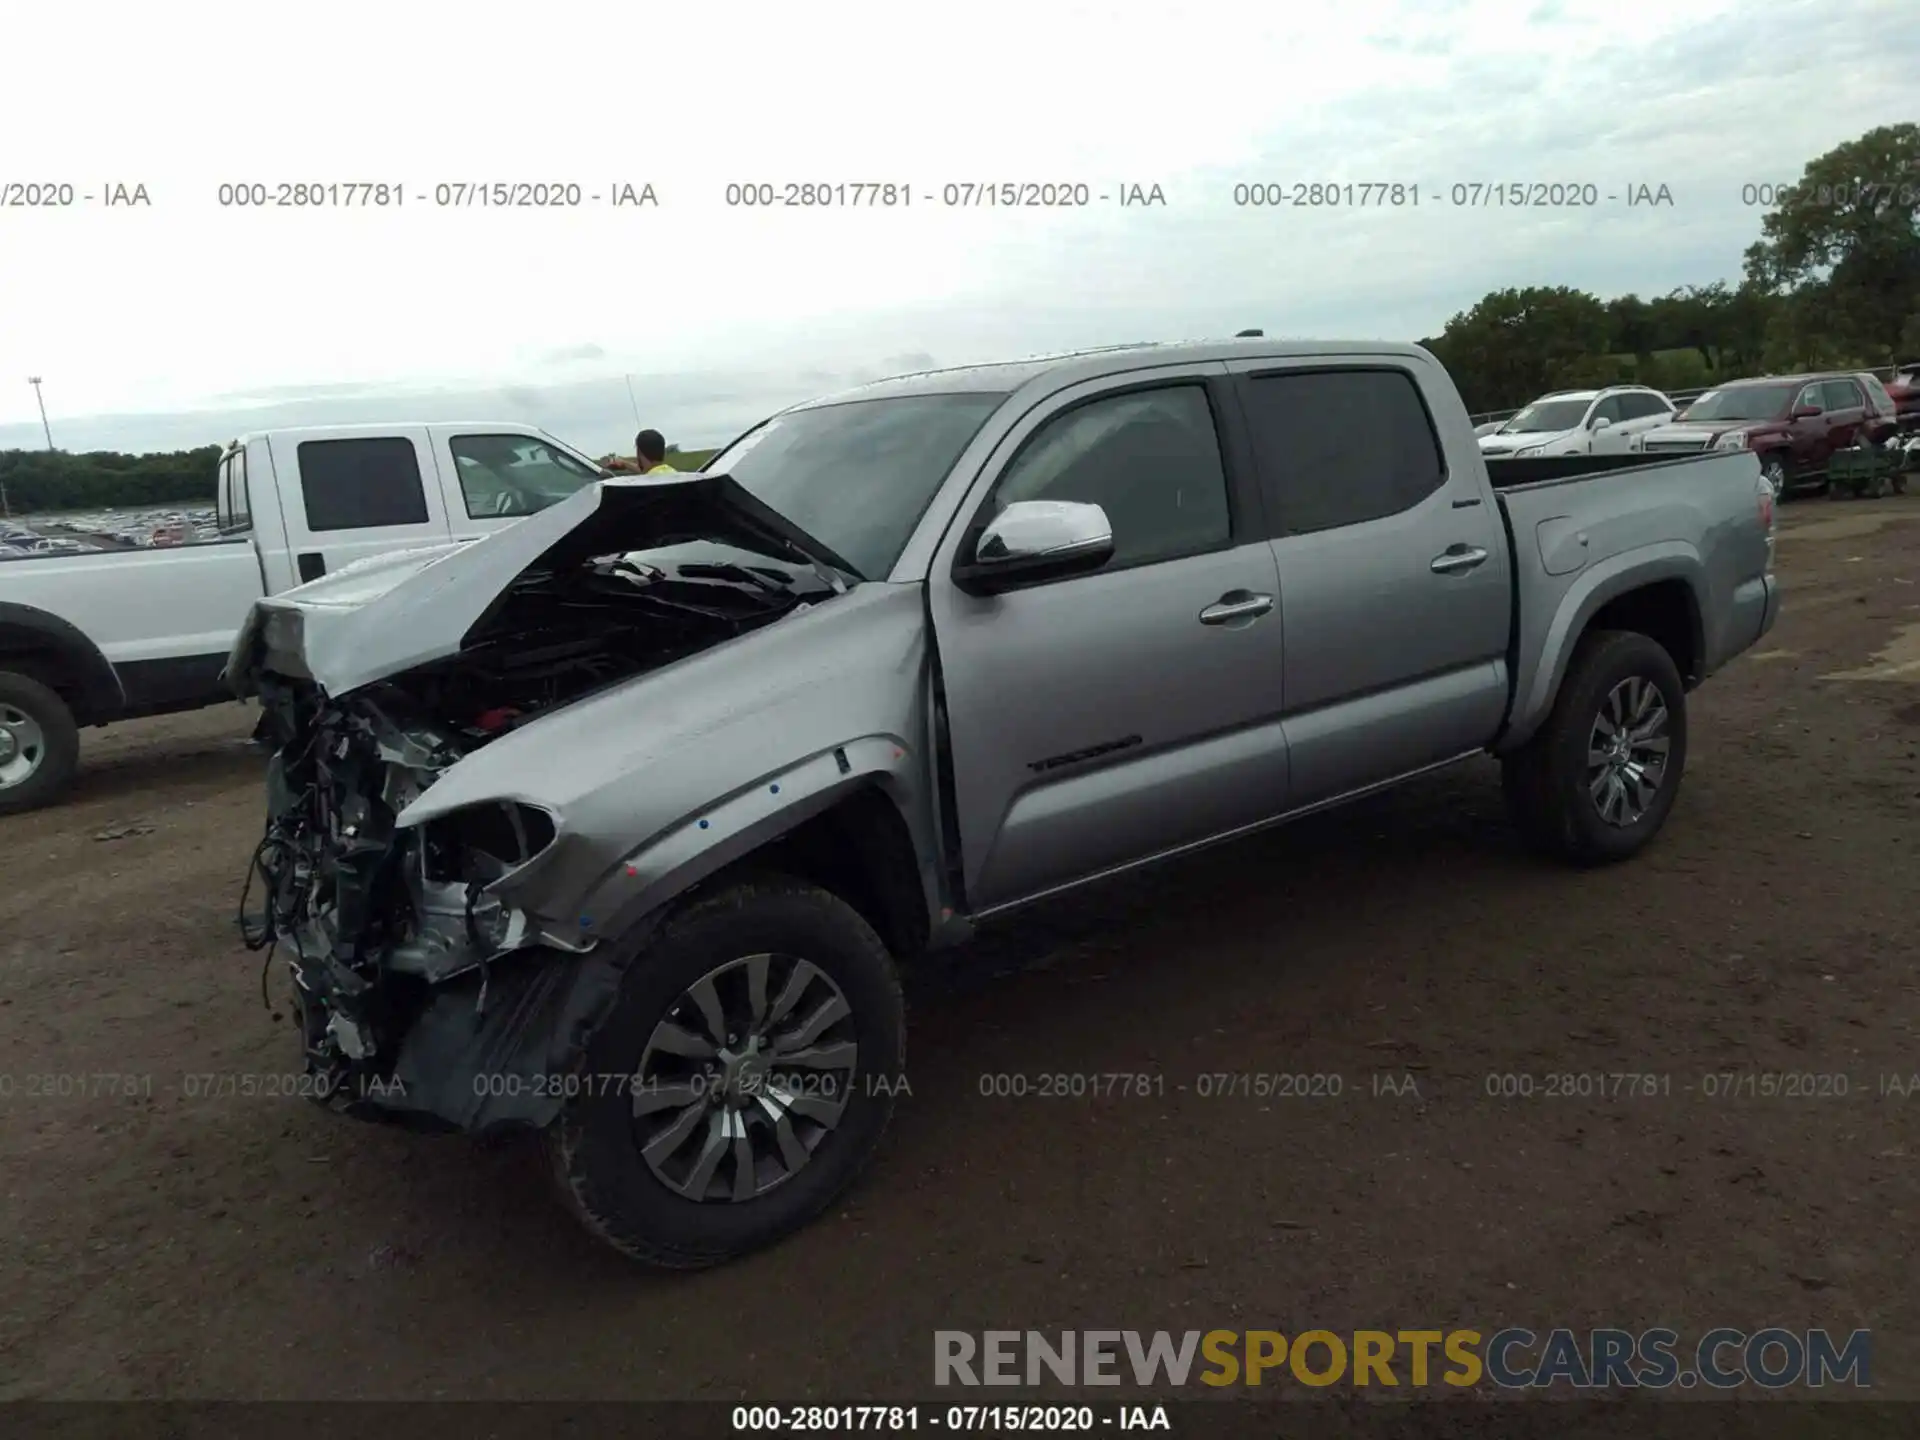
1610, 579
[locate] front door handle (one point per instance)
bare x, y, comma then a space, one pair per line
1458, 559
1236, 605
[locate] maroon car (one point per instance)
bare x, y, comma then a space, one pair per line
1793, 423
1904, 391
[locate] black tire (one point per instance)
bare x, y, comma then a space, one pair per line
593, 1144
54, 749
1546, 781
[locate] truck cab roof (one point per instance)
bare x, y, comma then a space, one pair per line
387, 427
1057, 370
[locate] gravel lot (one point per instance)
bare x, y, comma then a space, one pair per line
163, 1245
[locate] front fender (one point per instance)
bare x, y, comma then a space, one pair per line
665, 866
1546, 653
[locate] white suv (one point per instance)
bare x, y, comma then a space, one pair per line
1580, 422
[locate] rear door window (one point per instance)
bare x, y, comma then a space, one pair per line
361, 484
1842, 395
1341, 447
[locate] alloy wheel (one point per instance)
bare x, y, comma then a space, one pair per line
1627, 751
745, 1076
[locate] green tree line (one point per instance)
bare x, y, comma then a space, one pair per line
106, 479
1833, 282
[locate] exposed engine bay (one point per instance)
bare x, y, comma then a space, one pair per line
414, 974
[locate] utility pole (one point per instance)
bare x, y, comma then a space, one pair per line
34, 380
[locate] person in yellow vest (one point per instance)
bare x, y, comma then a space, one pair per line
650, 447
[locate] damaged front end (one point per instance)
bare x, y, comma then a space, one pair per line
430, 983
393, 934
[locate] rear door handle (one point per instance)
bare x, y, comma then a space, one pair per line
1236, 605
1458, 559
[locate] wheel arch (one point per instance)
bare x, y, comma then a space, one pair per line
1656, 594
55, 652
860, 849
842, 820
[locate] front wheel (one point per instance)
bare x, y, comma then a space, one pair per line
1601, 776
757, 1043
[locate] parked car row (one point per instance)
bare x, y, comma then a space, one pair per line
1793, 424
109, 530
18, 544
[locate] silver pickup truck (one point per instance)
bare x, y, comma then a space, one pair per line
615, 823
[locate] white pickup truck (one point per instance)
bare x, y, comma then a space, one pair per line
109, 635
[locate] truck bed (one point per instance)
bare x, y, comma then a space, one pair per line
163, 618
1508, 473
1578, 525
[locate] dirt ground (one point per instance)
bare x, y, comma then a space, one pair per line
159, 1244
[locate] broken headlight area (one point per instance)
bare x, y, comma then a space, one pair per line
369, 915
403, 940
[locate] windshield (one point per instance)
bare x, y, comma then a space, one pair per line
516, 474
857, 476
1547, 416
1747, 402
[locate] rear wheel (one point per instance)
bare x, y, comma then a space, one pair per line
757, 1041
1601, 776
39, 743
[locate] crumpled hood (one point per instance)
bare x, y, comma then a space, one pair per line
652, 747
390, 613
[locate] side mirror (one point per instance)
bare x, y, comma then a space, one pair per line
1033, 540
1807, 412
1601, 422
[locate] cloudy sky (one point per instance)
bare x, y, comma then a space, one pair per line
185, 321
